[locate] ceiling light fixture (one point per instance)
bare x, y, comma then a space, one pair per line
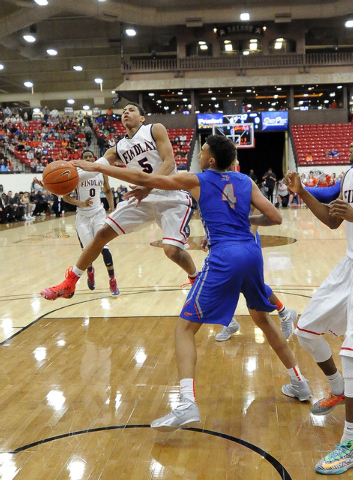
130, 32
52, 52
78, 68
42, 3
70, 101
349, 24
85, 107
29, 38
245, 17
1, 66
99, 81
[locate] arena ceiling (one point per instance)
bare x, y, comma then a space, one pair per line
91, 33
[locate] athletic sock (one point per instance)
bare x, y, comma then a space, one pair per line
295, 374
194, 275
336, 383
90, 269
187, 389
111, 273
347, 432
77, 271
280, 306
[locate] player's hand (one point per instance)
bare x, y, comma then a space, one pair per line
39, 182
136, 194
203, 244
87, 166
339, 208
293, 182
88, 202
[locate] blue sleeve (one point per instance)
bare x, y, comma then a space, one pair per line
325, 194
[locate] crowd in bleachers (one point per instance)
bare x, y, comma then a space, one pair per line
322, 144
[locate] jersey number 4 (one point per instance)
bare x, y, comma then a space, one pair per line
228, 195
146, 167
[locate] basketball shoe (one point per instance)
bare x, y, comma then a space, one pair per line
113, 286
66, 289
184, 413
327, 404
287, 322
227, 332
90, 279
297, 389
190, 282
338, 461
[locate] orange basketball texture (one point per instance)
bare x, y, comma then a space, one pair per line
60, 177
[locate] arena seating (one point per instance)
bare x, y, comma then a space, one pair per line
317, 139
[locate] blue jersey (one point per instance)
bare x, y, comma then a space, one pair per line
224, 206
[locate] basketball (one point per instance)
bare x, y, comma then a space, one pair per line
60, 177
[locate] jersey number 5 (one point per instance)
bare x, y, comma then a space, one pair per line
228, 195
146, 167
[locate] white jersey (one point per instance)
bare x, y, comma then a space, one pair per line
347, 192
140, 152
90, 188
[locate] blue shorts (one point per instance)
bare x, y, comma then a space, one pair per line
229, 269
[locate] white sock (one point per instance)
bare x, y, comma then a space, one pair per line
295, 374
194, 275
336, 383
347, 432
77, 271
187, 389
282, 313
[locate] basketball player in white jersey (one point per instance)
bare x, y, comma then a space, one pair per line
90, 217
146, 148
331, 311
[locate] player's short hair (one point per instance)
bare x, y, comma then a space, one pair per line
85, 151
222, 149
140, 109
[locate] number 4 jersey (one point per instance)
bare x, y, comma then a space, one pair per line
226, 220
140, 151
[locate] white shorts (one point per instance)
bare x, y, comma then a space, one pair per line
331, 308
171, 210
88, 226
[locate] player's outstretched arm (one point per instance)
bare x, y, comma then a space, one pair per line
179, 181
321, 211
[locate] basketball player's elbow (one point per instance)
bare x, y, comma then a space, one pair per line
276, 219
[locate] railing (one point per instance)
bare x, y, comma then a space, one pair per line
238, 62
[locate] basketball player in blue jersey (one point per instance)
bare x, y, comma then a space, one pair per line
146, 148
90, 218
234, 265
330, 311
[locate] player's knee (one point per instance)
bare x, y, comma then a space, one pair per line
317, 347
107, 257
173, 253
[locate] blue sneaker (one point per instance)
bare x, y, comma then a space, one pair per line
338, 461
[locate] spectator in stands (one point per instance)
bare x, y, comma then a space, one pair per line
270, 182
17, 204
7, 112
55, 114
334, 104
327, 153
253, 176
27, 206
41, 206
49, 198
334, 152
2, 211
333, 179
109, 114
46, 113
284, 198
8, 209
309, 157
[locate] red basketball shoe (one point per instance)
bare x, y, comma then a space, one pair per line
113, 286
66, 289
90, 279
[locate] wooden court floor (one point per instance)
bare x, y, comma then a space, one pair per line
82, 379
